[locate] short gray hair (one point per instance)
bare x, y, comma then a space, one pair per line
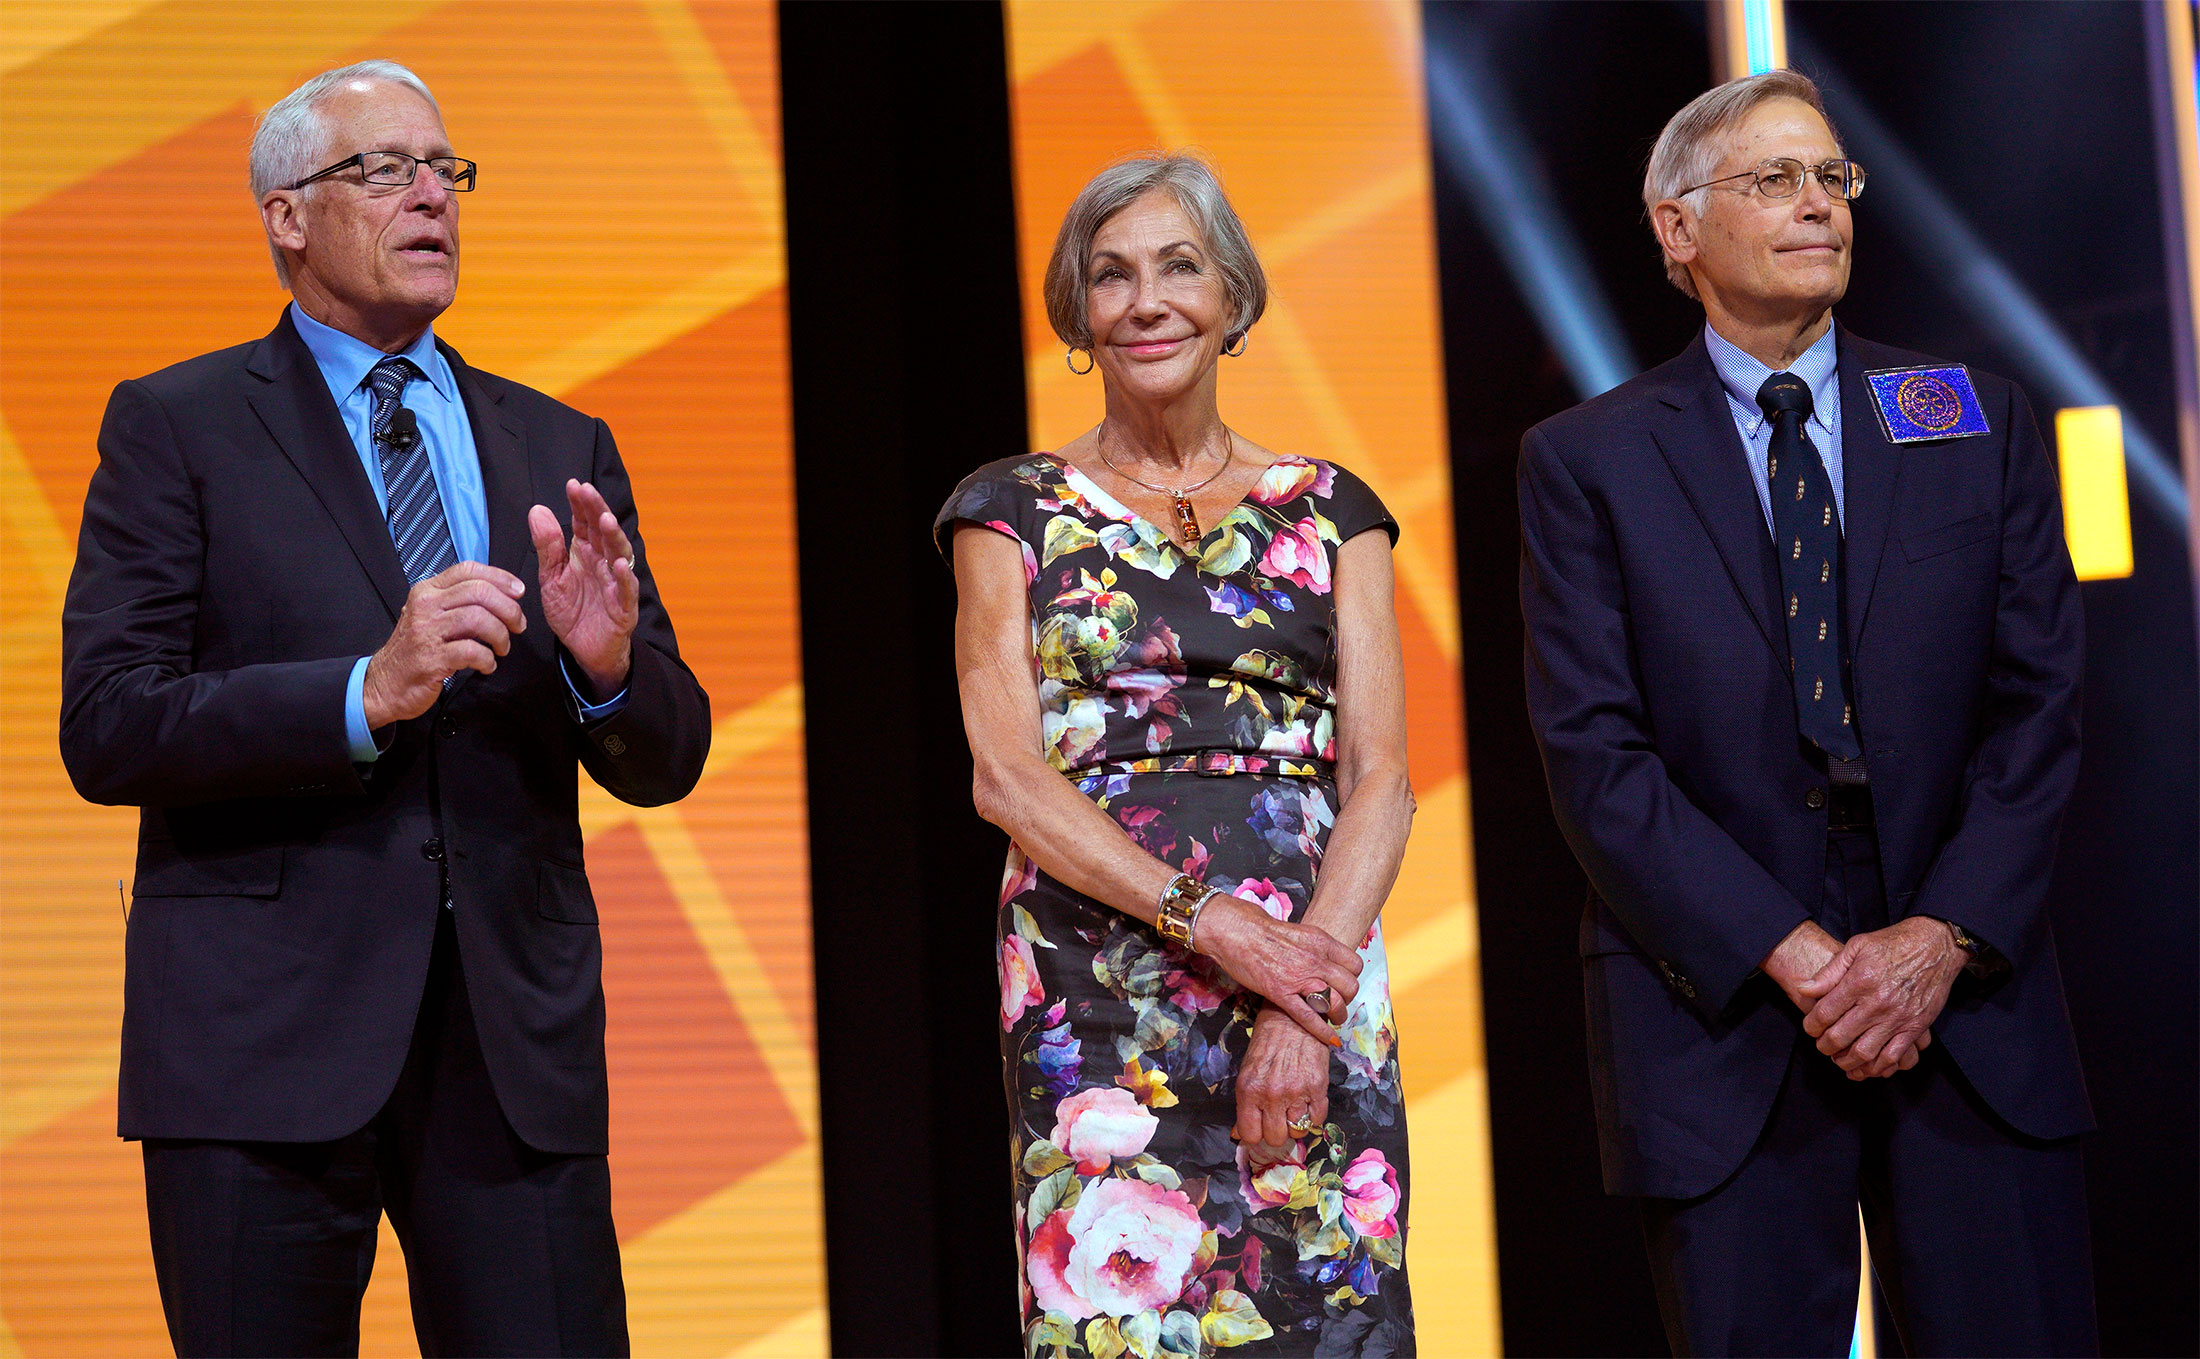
1192, 182
1689, 149
292, 134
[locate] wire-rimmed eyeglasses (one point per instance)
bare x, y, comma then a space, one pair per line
1783, 176
395, 169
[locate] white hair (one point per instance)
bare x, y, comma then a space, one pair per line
1192, 182
1689, 149
292, 135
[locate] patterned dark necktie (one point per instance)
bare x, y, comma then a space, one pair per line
415, 509
1807, 532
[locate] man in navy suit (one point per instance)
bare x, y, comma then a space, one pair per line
328, 632
1803, 653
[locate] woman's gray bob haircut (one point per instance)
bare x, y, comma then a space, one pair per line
1689, 149
1196, 189
292, 135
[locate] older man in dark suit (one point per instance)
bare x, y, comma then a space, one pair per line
1803, 660
328, 632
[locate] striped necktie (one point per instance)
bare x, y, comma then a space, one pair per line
1807, 532
415, 509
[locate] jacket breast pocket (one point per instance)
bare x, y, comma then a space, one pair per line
1948, 537
562, 893
254, 872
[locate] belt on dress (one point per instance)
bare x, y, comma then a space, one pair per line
1213, 764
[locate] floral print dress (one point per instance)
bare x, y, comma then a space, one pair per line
1192, 696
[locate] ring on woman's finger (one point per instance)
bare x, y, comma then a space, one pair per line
1320, 1000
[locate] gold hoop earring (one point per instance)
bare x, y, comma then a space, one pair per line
1068, 357
1233, 353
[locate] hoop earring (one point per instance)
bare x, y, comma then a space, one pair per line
1072, 362
1233, 353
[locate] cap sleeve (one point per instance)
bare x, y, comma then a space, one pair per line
990, 497
1355, 508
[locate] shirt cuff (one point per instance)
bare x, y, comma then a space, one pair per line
583, 710
357, 734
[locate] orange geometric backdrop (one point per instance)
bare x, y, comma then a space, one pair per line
624, 253
1312, 112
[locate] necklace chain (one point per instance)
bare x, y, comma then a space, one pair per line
1187, 519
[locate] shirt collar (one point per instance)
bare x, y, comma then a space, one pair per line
345, 360
1741, 374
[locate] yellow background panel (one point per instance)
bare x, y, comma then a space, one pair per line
1312, 113
624, 253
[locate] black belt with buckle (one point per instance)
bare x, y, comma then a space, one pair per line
1849, 807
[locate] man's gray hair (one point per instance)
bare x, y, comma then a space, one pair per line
1689, 150
292, 135
1192, 182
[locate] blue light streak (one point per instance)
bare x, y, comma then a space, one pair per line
1491, 159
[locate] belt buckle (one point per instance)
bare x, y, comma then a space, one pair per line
1215, 763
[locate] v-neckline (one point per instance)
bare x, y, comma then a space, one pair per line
1099, 494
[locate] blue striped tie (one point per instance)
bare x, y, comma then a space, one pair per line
415, 509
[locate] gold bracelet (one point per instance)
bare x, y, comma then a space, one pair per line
1177, 912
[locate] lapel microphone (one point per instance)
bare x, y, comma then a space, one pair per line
404, 430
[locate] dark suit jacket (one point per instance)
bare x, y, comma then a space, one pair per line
1658, 687
231, 566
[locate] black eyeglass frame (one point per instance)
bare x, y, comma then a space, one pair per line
462, 181
1755, 174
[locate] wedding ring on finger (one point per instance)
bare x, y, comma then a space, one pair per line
1300, 1123
629, 562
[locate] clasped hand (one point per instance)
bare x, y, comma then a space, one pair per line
464, 618
1870, 1002
1282, 961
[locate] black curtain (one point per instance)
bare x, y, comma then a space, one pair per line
907, 360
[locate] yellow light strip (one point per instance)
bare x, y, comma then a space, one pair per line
2089, 442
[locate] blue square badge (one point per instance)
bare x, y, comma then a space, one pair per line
1915, 404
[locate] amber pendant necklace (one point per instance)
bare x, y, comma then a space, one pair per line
1187, 518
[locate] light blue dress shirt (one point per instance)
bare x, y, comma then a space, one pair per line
1742, 375
448, 437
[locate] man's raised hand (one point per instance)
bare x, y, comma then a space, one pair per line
462, 618
590, 594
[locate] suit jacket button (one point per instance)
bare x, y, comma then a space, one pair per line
614, 745
1815, 799
431, 849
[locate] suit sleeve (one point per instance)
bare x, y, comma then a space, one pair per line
651, 751
1696, 900
1991, 876
141, 724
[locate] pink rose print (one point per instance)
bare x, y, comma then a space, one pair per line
1270, 1176
1132, 1246
1046, 1265
1266, 895
1371, 1194
1093, 1127
1020, 985
1284, 480
1296, 554
1019, 876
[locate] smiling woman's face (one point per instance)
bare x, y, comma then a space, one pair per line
1755, 253
1154, 300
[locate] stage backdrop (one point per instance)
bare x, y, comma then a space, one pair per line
1312, 112
624, 254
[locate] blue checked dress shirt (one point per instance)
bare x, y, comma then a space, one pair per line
448, 438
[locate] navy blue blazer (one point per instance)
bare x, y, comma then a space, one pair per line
1657, 685
231, 566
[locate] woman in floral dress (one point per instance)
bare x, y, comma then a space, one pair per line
1179, 656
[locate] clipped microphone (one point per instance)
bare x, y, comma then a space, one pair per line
404, 430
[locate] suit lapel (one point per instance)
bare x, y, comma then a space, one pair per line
1696, 433
294, 404
1870, 470
507, 480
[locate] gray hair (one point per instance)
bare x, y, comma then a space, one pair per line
1192, 182
292, 135
1688, 150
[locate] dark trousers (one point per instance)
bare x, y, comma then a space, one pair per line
264, 1248
1978, 1234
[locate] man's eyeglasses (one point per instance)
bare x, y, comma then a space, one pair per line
1783, 176
396, 169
